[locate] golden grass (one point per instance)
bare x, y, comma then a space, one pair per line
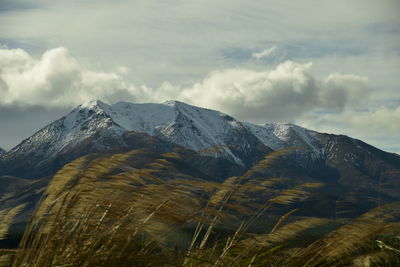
349, 240
112, 211
6, 218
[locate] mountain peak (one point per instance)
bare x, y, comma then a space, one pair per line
96, 127
93, 104
171, 102
179, 104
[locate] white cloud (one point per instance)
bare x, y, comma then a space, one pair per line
284, 93
288, 92
265, 53
56, 79
181, 41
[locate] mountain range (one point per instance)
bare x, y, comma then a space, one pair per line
356, 174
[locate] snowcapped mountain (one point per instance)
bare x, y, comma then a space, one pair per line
353, 171
2, 151
176, 122
98, 127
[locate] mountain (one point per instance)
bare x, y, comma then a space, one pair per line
2, 151
349, 161
358, 176
98, 127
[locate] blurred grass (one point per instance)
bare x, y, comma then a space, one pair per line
112, 211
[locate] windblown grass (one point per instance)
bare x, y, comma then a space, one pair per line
122, 210
6, 218
355, 241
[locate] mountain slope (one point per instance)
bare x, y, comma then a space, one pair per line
2, 151
357, 176
98, 127
15, 191
282, 135
335, 158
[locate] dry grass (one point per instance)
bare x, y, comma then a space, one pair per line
354, 240
113, 211
6, 218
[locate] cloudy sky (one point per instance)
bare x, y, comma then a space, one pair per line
332, 66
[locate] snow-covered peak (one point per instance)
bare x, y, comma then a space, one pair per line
93, 104
144, 118
284, 131
103, 126
173, 103
84, 114
185, 125
140, 117
153, 118
192, 127
282, 135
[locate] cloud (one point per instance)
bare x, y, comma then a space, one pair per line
157, 40
341, 90
288, 92
56, 79
284, 93
265, 53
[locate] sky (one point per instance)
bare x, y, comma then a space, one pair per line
331, 66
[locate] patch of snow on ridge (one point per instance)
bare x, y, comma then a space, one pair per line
266, 134
189, 126
283, 135
198, 128
140, 117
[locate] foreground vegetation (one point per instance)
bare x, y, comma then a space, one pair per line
107, 211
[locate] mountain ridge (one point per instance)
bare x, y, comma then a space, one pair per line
356, 174
176, 122
99, 127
